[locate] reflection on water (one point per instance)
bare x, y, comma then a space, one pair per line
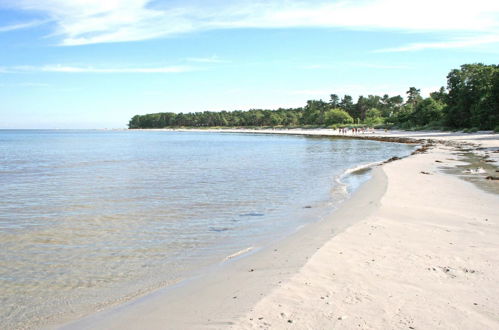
92, 218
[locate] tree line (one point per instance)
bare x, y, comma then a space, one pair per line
470, 101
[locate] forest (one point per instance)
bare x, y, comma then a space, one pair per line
470, 101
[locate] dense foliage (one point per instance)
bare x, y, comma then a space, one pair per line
471, 100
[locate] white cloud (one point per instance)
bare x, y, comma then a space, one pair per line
81, 22
20, 26
78, 69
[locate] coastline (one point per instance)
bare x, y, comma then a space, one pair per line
272, 287
197, 300
426, 259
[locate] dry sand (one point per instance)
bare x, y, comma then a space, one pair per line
408, 251
428, 258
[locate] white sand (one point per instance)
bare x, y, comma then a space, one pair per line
428, 258
409, 250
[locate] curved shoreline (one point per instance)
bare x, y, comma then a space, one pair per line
235, 294
425, 259
191, 303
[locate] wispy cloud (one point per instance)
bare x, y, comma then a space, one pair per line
96, 21
20, 26
456, 43
81, 69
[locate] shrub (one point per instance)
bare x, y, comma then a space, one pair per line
338, 116
470, 130
373, 117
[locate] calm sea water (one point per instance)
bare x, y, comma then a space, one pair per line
93, 218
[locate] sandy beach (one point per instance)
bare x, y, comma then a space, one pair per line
414, 248
427, 258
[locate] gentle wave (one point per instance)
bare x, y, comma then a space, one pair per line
340, 190
359, 168
238, 253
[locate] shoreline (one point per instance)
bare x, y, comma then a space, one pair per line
426, 259
260, 268
376, 134
231, 296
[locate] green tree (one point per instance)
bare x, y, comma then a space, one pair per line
346, 104
427, 111
390, 106
337, 116
472, 99
440, 95
334, 101
313, 113
413, 96
374, 117
134, 122
360, 108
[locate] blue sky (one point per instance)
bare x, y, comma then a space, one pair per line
96, 63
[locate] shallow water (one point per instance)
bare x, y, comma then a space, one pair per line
93, 218
475, 170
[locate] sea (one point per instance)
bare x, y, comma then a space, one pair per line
90, 219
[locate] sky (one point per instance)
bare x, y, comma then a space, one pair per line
96, 63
